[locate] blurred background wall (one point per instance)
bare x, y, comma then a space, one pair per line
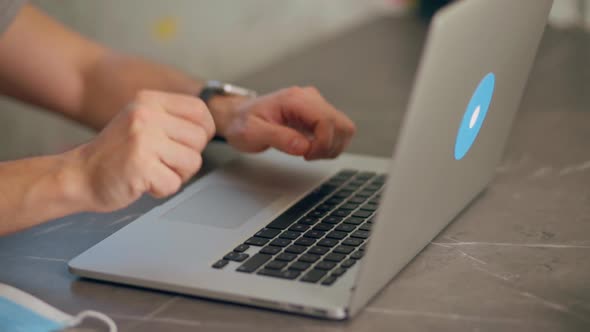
222, 39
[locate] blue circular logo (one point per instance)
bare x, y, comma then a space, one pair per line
475, 115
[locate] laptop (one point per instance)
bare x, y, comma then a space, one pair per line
323, 238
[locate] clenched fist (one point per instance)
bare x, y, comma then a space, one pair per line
153, 146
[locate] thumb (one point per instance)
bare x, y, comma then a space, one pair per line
283, 138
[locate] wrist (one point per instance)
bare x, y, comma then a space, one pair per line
224, 109
71, 181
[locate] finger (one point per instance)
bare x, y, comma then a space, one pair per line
323, 141
182, 160
336, 147
183, 106
184, 132
342, 139
163, 181
280, 137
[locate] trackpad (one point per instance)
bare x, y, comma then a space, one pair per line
222, 206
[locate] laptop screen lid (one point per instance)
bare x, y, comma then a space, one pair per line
471, 79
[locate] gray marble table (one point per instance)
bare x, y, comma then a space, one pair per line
518, 259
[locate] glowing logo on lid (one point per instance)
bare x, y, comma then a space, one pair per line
475, 115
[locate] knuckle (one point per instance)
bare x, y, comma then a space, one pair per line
295, 93
201, 139
138, 116
173, 186
200, 105
197, 163
312, 89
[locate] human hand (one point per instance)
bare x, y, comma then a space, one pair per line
153, 146
297, 121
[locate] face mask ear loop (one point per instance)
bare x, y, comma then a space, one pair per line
96, 315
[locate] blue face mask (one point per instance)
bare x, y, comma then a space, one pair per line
21, 312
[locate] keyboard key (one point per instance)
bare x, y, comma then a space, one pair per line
357, 200
236, 256
317, 214
338, 272
280, 243
254, 263
380, 178
309, 258
372, 187
326, 207
334, 201
337, 235
295, 249
349, 206
365, 193
357, 254
374, 201
352, 242
256, 241
327, 188
270, 250
314, 234
370, 220
268, 233
289, 274
299, 266
327, 243
348, 263
363, 247
365, 175
350, 187
314, 276
334, 257
324, 265
353, 221
342, 249
318, 250
305, 241
289, 235
345, 228
299, 228
360, 234
329, 281
340, 213
370, 207
296, 211
336, 182
357, 182
286, 257
362, 214
275, 265
241, 248
220, 264
332, 220
308, 220
366, 227
322, 227
342, 193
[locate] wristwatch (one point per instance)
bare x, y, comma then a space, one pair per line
217, 88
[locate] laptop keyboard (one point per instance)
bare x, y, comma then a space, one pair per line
320, 237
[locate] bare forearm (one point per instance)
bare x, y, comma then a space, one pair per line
115, 79
36, 190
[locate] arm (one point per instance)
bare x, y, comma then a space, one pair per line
44, 63
153, 145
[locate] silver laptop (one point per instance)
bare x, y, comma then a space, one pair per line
323, 238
